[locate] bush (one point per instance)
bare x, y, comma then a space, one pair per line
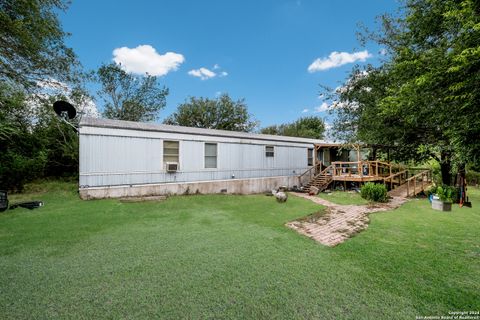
374, 192
445, 193
472, 177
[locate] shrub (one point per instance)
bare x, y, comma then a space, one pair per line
374, 192
432, 190
473, 177
445, 193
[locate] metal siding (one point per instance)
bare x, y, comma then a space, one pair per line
121, 160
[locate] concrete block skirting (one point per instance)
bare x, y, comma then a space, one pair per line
233, 186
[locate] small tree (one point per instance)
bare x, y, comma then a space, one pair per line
129, 97
32, 44
423, 98
306, 127
222, 113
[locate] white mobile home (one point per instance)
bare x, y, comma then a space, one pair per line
123, 158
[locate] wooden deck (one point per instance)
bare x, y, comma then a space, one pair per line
413, 180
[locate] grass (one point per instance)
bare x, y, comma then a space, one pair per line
343, 197
219, 256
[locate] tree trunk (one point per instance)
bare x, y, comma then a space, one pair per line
446, 167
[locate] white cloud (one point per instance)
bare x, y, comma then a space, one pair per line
337, 59
383, 51
145, 59
322, 108
204, 73
305, 110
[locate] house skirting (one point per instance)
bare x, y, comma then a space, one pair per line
232, 186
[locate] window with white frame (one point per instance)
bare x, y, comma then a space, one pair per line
210, 155
310, 156
171, 151
269, 151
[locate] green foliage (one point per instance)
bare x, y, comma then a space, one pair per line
129, 97
221, 113
307, 127
32, 44
445, 193
472, 177
374, 192
433, 165
33, 142
423, 99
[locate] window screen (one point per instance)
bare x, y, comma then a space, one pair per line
269, 151
170, 151
310, 157
210, 155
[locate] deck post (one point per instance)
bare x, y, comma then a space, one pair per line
422, 182
360, 169
414, 185
408, 185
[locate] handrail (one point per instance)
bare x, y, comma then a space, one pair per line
326, 169
395, 174
306, 171
419, 174
426, 172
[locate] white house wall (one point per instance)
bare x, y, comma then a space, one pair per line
112, 157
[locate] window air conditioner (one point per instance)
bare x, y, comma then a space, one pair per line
172, 167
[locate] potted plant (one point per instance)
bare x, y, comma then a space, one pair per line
443, 198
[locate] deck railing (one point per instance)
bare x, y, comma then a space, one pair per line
401, 177
423, 178
365, 168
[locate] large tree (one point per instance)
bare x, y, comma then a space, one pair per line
130, 97
423, 99
306, 127
32, 44
222, 113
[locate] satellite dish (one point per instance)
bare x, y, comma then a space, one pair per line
64, 109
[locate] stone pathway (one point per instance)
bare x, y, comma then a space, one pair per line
339, 222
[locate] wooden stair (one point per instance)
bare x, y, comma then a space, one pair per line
321, 180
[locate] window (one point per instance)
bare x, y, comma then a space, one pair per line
170, 151
269, 151
210, 155
310, 157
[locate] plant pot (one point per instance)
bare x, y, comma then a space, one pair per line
441, 206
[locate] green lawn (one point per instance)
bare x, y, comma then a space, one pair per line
220, 256
343, 197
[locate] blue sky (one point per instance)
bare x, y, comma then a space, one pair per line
258, 50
